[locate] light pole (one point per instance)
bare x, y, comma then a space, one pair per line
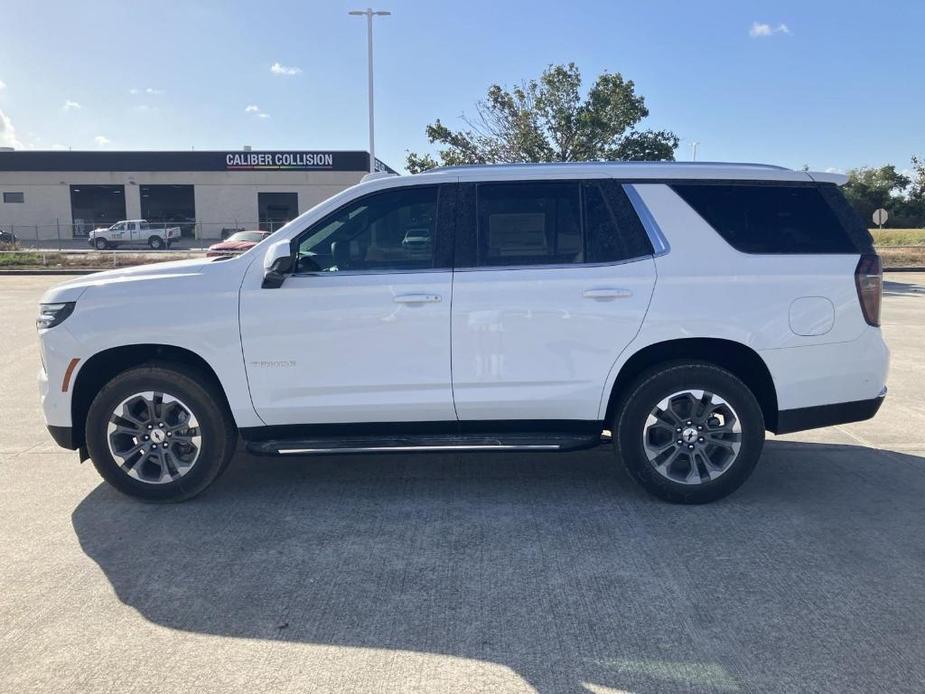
694, 150
369, 13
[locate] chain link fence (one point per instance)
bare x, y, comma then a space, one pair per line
195, 235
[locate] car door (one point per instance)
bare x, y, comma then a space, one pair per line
553, 281
360, 332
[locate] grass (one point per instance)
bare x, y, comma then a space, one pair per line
884, 238
20, 259
52, 260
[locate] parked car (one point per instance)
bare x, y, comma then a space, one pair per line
237, 243
7, 238
680, 310
133, 232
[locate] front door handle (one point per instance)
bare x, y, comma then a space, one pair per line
417, 299
607, 293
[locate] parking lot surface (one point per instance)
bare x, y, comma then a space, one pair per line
470, 573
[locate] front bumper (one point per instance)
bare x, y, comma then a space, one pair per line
63, 436
802, 418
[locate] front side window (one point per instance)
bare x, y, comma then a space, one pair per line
389, 231
529, 224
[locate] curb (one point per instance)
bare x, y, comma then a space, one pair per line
80, 271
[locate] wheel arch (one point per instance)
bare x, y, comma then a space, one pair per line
105, 365
736, 357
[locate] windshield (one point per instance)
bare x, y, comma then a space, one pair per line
254, 236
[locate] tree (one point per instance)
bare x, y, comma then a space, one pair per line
870, 188
550, 120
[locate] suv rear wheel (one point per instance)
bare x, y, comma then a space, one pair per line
156, 243
689, 432
158, 432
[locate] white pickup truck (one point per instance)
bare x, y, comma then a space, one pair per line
133, 232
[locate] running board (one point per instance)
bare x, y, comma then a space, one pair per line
535, 443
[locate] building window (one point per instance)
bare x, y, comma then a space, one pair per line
275, 209
174, 205
14, 197
96, 206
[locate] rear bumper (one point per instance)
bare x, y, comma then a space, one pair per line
802, 418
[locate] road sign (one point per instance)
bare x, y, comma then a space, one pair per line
880, 217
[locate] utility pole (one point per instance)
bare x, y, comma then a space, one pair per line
369, 13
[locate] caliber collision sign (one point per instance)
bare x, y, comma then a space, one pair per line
254, 161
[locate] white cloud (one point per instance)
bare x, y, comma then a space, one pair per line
762, 30
101, 140
59, 147
8, 133
2, 84
255, 109
71, 106
286, 70
834, 169
150, 91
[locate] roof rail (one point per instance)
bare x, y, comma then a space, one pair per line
372, 176
455, 167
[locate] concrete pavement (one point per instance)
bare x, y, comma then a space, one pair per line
469, 573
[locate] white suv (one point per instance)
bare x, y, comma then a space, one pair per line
686, 308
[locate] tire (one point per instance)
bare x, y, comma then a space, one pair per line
156, 243
193, 459
726, 446
100, 244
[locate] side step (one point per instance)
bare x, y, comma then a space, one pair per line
536, 443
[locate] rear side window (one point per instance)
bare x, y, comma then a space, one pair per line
772, 218
529, 224
612, 227
554, 223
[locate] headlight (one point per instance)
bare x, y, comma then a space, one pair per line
51, 315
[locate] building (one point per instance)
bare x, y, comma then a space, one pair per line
57, 194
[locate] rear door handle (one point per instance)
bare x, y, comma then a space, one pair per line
607, 293
417, 299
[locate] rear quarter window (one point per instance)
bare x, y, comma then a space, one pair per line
775, 218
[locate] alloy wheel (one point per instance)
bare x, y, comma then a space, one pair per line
154, 437
692, 437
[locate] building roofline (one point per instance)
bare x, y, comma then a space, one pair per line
186, 160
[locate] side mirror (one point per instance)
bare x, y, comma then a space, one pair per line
277, 263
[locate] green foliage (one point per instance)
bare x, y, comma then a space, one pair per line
549, 119
870, 188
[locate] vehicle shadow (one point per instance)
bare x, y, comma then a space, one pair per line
556, 566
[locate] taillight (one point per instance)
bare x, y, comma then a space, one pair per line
868, 278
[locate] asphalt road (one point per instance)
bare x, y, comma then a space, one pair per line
469, 573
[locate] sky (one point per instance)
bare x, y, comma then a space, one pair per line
832, 85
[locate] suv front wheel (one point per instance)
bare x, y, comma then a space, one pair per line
689, 432
159, 432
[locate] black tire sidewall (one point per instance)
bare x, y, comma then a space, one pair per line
218, 437
155, 243
100, 244
657, 384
